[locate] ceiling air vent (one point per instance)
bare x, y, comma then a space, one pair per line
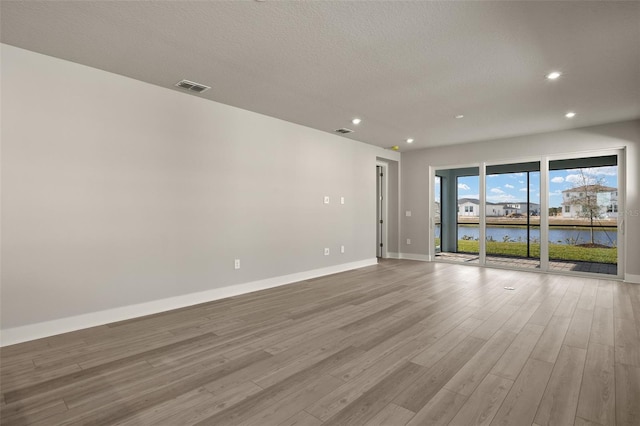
343, 130
192, 87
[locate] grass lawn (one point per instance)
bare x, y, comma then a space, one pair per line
556, 251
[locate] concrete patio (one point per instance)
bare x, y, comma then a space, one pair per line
528, 263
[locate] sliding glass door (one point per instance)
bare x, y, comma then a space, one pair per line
456, 214
583, 215
495, 214
512, 215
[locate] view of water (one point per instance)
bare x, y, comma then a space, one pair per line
556, 236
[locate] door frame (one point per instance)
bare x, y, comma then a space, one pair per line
382, 232
620, 152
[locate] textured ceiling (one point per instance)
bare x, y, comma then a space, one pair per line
406, 68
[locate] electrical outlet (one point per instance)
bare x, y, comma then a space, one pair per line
408, 241
326, 251
236, 264
341, 249
407, 213
326, 199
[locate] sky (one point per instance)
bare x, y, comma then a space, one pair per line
512, 187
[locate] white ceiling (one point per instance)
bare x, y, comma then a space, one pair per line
405, 68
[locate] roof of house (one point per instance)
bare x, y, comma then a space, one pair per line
468, 200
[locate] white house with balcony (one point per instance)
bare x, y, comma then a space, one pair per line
575, 201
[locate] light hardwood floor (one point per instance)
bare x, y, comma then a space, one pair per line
400, 343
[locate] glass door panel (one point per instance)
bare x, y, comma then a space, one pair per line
512, 213
583, 215
468, 217
457, 214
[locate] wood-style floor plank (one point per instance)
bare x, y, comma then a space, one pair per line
391, 415
426, 385
511, 362
559, 402
521, 403
627, 394
370, 403
440, 409
467, 379
597, 393
627, 343
301, 419
401, 342
484, 402
602, 330
549, 344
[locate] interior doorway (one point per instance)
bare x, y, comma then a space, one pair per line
381, 210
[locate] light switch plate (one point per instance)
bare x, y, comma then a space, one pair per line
407, 213
326, 199
326, 251
341, 200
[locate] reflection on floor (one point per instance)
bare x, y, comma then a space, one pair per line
525, 263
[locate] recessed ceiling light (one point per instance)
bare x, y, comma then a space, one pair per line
554, 75
356, 121
410, 140
570, 114
459, 116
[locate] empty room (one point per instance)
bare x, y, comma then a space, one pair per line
314, 213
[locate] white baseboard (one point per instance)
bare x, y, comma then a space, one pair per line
410, 256
25, 333
631, 278
414, 256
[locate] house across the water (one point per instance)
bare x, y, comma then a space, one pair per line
576, 201
471, 207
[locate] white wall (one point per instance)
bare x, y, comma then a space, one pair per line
117, 193
415, 175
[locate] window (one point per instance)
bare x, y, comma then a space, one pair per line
567, 209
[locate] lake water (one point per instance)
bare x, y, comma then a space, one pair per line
556, 236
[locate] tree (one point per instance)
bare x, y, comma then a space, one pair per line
588, 187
